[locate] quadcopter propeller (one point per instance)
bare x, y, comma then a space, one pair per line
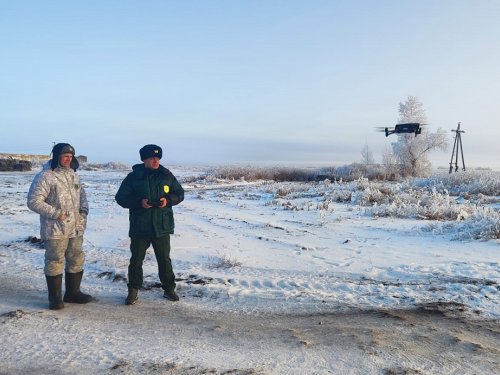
419, 123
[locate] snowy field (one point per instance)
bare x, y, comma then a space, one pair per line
274, 278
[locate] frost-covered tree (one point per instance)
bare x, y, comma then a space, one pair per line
411, 151
412, 111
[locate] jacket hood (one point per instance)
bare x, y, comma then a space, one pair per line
47, 165
63, 148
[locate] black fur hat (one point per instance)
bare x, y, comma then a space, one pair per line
150, 151
60, 149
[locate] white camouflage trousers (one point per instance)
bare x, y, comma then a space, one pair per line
69, 249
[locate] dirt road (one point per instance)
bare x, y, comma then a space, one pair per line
155, 337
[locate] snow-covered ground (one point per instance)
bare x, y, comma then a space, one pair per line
274, 278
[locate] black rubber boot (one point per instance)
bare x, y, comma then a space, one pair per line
132, 296
73, 293
171, 295
54, 285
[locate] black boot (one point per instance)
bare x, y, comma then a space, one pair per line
73, 293
132, 296
171, 295
54, 285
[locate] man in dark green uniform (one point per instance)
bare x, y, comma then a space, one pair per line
149, 192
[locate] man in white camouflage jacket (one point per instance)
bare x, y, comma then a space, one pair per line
58, 196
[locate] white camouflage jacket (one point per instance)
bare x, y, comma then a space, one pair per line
53, 192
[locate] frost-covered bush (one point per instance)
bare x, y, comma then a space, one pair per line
482, 224
484, 182
459, 200
364, 192
379, 199
349, 172
264, 173
366, 197
356, 171
223, 261
293, 196
464, 183
242, 173
293, 190
321, 194
422, 205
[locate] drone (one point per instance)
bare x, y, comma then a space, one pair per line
410, 127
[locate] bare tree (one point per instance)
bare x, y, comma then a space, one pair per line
389, 164
367, 158
411, 151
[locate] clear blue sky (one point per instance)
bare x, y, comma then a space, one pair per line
245, 81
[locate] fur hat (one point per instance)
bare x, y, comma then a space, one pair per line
150, 151
61, 149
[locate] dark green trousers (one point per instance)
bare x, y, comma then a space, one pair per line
161, 246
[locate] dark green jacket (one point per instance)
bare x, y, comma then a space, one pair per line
150, 184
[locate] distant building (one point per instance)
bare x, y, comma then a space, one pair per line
14, 165
82, 159
25, 162
27, 157
20, 162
